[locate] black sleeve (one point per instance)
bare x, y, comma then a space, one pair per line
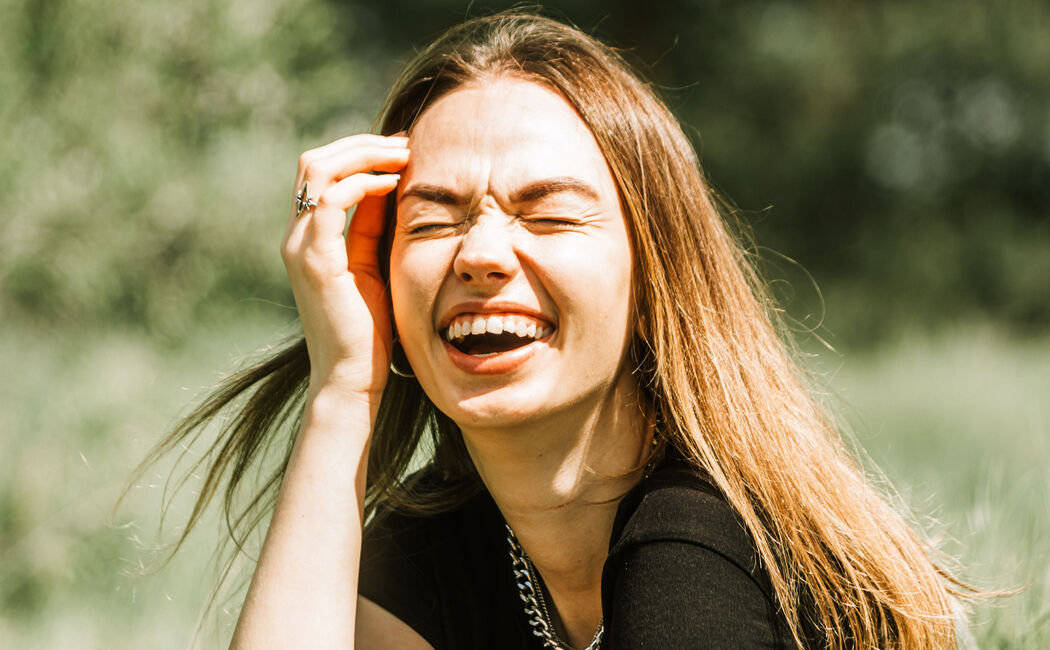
395, 574
676, 594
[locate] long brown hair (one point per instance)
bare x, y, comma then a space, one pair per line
714, 363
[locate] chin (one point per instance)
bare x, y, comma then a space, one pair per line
507, 406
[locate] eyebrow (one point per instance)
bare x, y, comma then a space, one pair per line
532, 192
540, 189
434, 194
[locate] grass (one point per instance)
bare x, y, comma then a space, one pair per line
80, 410
958, 422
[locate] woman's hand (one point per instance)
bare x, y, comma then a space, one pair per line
304, 590
342, 299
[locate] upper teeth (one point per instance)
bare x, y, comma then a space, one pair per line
523, 326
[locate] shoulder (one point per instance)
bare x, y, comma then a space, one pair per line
445, 573
403, 560
677, 503
415, 539
682, 570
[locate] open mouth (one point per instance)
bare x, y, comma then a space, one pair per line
492, 334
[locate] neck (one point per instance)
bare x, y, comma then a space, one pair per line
558, 483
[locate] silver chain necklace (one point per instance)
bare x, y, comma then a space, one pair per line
535, 605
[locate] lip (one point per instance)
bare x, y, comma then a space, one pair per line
490, 307
497, 364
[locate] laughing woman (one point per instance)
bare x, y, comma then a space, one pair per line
540, 401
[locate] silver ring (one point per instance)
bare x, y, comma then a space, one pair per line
303, 201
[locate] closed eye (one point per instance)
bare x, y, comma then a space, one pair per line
556, 222
425, 228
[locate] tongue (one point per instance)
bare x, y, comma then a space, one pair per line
489, 343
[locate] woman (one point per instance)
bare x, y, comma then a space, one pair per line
538, 302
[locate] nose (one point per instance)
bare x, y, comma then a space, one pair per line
486, 255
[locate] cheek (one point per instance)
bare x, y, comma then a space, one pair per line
415, 279
595, 285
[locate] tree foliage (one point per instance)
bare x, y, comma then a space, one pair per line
151, 148
899, 151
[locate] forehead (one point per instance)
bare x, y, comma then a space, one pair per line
500, 129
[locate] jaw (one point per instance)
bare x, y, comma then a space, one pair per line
492, 389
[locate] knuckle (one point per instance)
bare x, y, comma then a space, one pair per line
325, 201
337, 197
359, 138
316, 170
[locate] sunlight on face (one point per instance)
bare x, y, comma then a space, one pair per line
511, 264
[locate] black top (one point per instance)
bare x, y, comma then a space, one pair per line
682, 572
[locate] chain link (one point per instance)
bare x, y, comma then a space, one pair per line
528, 590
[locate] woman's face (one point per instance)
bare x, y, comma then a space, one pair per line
511, 266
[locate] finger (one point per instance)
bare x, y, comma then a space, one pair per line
320, 174
321, 166
324, 163
321, 171
366, 233
299, 222
328, 219
360, 139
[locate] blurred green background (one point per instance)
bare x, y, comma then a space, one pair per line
892, 160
